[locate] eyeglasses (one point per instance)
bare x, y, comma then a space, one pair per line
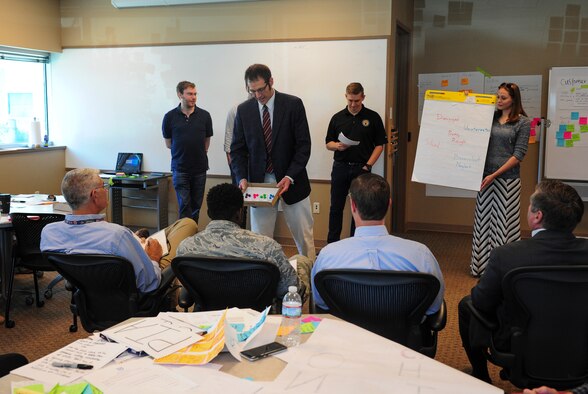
260, 90
103, 186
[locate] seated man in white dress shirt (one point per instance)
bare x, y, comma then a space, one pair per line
372, 247
86, 230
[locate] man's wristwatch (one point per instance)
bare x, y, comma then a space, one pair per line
369, 167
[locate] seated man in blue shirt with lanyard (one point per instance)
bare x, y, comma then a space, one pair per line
86, 231
372, 247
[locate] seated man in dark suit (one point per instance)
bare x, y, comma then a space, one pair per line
554, 211
86, 231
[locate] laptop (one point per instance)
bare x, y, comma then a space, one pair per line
129, 163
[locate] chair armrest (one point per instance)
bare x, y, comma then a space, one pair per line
484, 319
167, 277
185, 300
437, 320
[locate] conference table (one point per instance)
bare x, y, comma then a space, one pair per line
337, 357
35, 204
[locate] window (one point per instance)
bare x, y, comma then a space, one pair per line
23, 96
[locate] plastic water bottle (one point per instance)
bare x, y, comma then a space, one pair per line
291, 312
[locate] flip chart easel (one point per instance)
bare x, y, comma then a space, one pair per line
453, 139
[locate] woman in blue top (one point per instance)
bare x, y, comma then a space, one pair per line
497, 215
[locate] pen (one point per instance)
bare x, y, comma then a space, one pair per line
72, 365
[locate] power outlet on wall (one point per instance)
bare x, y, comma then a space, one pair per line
316, 207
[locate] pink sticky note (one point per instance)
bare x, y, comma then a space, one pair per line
308, 319
568, 135
583, 120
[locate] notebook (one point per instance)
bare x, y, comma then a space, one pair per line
129, 163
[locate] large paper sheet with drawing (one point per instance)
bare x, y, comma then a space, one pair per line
453, 139
343, 358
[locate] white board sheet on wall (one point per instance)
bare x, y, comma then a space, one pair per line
566, 141
529, 85
106, 100
453, 140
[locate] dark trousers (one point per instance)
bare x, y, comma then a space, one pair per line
341, 176
190, 193
476, 353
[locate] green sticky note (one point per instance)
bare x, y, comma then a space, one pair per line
576, 137
307, 328
569, 143
33, 388
570, 127
584, 128
77, 388
486, 73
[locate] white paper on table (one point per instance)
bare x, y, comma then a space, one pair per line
83, 351
211, 380
235, 341
267, 334
140, 375
344, 140
343, 358
157, 336
294, 264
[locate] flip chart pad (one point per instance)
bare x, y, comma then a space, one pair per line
453, 139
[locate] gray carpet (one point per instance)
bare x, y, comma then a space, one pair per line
40, 331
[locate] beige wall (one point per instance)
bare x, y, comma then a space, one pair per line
503, 38
31, 24
29, 170
98, 23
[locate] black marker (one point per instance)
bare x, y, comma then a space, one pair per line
72, 365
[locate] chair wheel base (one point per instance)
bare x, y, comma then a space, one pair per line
29, 300
48, 294
9, 323
73, 328
40, 304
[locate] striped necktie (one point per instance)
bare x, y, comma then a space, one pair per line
267, 135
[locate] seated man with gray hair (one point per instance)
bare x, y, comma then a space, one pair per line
86, 231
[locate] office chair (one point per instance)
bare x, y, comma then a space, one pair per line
105, 291
10, 361
27, 253
389, 303
213, 283
548, 335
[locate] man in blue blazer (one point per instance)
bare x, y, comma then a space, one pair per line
271, 144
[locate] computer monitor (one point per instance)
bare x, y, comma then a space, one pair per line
129, 163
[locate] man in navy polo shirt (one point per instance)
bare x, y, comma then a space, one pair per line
187, 130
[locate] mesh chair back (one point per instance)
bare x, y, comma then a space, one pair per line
389, 303
27, 228
550, 315
224, 282
105, 290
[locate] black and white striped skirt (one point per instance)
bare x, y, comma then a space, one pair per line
496, 220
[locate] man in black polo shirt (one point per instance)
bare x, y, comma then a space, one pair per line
363, 135
187, 130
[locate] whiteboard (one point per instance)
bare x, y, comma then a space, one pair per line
566, 141
453, 140
106, 100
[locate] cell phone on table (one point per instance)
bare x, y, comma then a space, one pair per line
263, 351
